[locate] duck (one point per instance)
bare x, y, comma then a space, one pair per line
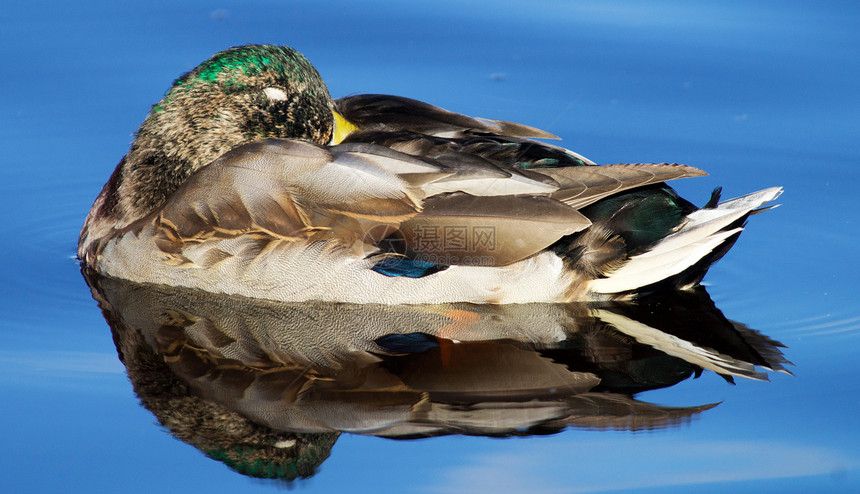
247, 178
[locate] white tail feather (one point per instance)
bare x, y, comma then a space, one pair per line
700, 233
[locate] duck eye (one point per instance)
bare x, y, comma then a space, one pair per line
275, 94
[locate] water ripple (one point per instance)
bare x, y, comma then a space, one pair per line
838, 326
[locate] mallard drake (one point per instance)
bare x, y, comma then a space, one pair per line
247, 178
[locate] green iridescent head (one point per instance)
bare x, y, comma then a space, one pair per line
275, 91
240, 95
278, 92
300, 460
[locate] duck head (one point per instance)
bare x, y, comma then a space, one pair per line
239, 95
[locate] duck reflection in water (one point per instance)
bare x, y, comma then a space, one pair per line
266, 387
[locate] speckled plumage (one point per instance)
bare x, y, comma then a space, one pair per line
248, 178
181, 135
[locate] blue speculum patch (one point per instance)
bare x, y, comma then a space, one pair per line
411, 268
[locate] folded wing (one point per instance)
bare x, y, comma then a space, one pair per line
455, 209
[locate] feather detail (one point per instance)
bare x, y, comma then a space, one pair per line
702, 232
458, 228
581, 186
486, 180
384, 112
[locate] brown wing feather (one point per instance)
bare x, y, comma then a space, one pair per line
582, 185
236, 194
291, 190
457, 228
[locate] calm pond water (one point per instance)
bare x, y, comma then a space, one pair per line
599, 398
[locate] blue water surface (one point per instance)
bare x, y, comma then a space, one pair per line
756, 93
